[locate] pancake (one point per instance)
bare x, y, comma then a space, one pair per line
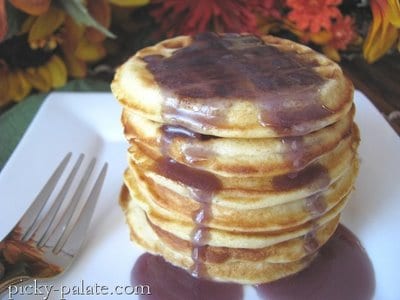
183, 227
257, 192
288, 251
235, 157
234, 85
240, 218
234, 269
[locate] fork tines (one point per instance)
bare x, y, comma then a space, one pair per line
57, 229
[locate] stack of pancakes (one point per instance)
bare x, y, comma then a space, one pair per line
242, 153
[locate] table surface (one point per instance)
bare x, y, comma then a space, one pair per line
380, 82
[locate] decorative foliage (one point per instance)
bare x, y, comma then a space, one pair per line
324, 24
55, 40
188, 17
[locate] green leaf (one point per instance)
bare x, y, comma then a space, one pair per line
14, 19
80, 14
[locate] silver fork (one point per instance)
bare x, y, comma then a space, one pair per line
42, 246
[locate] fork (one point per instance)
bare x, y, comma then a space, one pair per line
41, 245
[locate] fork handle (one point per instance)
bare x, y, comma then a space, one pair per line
4, 285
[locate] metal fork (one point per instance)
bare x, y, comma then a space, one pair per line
44, 244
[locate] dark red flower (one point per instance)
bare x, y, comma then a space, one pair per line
313, 15
193, 16
342, 33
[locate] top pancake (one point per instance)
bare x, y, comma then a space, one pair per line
234, 85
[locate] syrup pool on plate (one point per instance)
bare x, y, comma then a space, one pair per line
342, 270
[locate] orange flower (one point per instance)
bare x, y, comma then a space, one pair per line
100, 10
338, 38
3, 20
32, 7
384, 30
313, 15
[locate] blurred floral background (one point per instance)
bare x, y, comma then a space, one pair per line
45, 43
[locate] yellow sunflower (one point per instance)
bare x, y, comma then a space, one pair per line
82, 44
77, 43
30, 60
51, 45
48, 48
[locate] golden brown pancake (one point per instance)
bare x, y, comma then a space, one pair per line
242, 266
256, 192
237, 157
233, 85
183, 227
241, 218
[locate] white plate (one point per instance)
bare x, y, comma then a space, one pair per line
89, 123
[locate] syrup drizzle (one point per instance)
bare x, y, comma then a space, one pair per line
296, 151
314, 177
169, 132
315, 205
192, 153
310, 240
214, 71
202, 186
